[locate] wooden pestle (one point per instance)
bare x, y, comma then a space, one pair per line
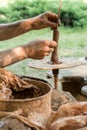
54, 57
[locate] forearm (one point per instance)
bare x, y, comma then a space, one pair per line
11, 30
11, 56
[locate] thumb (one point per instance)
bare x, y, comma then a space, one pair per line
51, 24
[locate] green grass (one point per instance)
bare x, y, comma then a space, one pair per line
72, 43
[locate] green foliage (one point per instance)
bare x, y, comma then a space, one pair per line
18, 10
73, 13
3, 20
3, 15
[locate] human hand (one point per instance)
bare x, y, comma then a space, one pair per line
38, 49
45, 20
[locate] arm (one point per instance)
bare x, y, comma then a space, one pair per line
37, 49
10, 56
17, 28
11, 30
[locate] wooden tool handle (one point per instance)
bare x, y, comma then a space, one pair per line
54, 56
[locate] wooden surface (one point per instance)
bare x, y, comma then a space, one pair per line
46, 65
68, 67
79, 70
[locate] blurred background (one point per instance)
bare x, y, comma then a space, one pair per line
73, 29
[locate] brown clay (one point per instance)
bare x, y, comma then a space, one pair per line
27, 94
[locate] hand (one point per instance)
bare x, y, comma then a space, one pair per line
38, 49
45, 20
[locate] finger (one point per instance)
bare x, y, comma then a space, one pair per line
51, 50
52, 44
46, 54
52, 24
52, 17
